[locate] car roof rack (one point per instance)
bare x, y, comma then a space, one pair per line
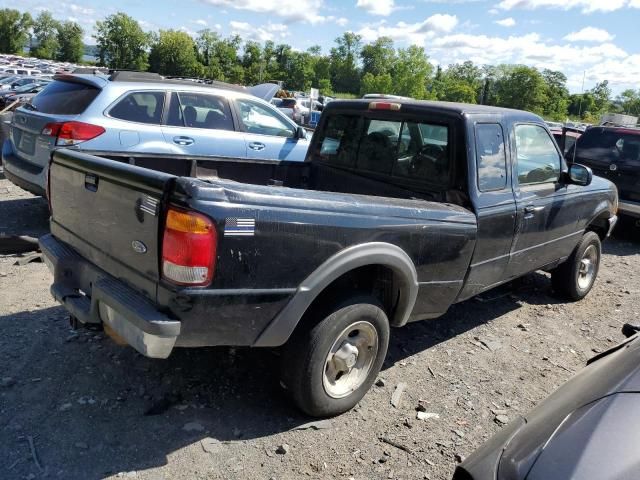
133, 76
137, 76
89, 70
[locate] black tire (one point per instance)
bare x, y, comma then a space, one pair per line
305, 355
566, 278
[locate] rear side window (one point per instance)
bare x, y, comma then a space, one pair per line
410, 150
608, 146
65, 98
140, 107
198, 110
490, 157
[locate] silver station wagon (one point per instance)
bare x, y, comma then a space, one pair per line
146, 113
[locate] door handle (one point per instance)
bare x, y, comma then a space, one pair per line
257, 146
530, 209
183, 140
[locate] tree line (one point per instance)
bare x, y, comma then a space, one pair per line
47, 38
350, 68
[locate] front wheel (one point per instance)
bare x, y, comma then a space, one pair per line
575, 277
329, 366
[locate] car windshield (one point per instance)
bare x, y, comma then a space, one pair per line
26, 88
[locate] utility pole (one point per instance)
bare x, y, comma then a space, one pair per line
581, 95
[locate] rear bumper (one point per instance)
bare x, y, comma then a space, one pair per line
25, 175
93, 296
627, 207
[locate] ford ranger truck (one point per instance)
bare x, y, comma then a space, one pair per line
401, 209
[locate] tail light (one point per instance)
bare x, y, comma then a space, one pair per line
189, 248
72, 133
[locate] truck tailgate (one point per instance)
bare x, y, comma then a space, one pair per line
110, 213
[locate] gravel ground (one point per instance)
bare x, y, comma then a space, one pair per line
75, 405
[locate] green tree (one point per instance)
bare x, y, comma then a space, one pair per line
411, 73
628, 102
557, 95
325, 87
71, 47
14, 30
121, 42
252, 63
522, 88
206, 43
174, 53
371, 83
602, 97
45, 31
345, 75
378, 57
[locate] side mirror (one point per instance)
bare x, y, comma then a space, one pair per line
301, 133
580, 175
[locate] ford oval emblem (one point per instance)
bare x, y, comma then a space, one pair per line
138, 246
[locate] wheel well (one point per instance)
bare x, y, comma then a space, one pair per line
600, 225
375, 280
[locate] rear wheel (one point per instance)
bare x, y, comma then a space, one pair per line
330, 365
575, 277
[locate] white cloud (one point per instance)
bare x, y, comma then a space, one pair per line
200, 22
590, 34
342, 21
377, 7
587, 6
261, 34
293, 10
413, 33
604, 61
506, 22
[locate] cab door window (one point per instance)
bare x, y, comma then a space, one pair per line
538, 160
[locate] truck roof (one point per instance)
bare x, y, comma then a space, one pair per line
436, 106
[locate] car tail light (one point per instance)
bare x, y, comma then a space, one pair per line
189, 248
384, 106
72, 133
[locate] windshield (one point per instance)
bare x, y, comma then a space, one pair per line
26, 88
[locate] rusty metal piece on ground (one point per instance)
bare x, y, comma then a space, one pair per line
33, 257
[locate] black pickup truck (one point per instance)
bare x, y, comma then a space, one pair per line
401, 209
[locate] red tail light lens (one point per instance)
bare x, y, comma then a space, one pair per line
71, 133
385, 106
189, 248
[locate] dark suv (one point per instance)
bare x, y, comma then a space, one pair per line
613, 153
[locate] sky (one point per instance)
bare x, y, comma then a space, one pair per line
591, 39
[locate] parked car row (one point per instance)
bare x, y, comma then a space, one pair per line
146, 113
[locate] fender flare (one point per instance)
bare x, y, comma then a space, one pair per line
375, 253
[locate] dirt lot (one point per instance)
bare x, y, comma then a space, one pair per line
75, 405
